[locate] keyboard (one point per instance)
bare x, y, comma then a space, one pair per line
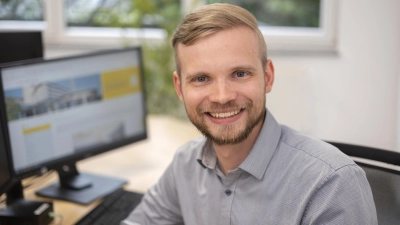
114, 208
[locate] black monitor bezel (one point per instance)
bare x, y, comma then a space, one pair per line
58, 163
15, 40
11, 180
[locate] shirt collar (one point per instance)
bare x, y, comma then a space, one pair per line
207, 156
261, 154
257, 161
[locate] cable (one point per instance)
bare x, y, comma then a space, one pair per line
3, 199
34, 180
56, 215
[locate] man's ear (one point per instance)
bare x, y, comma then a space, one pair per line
177, 85
269, 76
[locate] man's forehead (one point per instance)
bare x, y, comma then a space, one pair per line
229, 48
234, 38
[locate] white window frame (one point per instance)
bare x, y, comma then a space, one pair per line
398, 115
292, 39
279, 39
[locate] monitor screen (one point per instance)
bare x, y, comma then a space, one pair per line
63, 110
20, 45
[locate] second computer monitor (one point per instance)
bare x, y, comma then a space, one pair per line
20, 45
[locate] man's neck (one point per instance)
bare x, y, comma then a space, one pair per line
231, 156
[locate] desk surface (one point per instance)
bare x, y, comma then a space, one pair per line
140, 163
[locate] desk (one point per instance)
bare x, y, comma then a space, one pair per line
140, 163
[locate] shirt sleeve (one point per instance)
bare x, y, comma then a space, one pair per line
344, 197
160, 205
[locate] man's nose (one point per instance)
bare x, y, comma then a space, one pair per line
222, 92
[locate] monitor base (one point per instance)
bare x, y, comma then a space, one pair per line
100, 187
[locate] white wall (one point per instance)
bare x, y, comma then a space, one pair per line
352, 96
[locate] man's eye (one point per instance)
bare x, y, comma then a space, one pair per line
240, 74
200, 79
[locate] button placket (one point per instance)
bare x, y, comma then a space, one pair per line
229, 185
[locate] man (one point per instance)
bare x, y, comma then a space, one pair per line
247, 169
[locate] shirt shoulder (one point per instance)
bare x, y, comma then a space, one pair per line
314, 149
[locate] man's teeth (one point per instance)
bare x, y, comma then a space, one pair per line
225, 115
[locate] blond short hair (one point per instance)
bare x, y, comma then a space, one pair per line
212, 18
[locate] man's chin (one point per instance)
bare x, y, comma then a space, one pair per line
228, 137
221, 141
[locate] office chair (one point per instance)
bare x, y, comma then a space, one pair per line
385, 182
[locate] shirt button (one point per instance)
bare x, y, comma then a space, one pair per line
228, 192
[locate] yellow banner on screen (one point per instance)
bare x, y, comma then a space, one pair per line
120, 82
32, 130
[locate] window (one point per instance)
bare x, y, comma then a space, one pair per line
293, 25
21, 10
288, 25
21, 14
115, 13
281, 13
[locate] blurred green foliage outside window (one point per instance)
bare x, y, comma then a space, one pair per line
283, 13
126, 13
119, 13
25, 10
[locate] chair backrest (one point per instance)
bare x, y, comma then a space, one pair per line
384, 182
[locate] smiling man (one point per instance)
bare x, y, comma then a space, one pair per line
247, 169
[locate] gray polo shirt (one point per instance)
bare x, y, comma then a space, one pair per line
288, 178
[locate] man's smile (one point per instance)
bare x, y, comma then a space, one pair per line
225, 114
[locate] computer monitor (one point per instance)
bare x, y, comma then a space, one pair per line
57, 112
20, 45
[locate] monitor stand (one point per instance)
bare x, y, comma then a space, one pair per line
15, 193
82, 188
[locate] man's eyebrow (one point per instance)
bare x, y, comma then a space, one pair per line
244, 68
191, 76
